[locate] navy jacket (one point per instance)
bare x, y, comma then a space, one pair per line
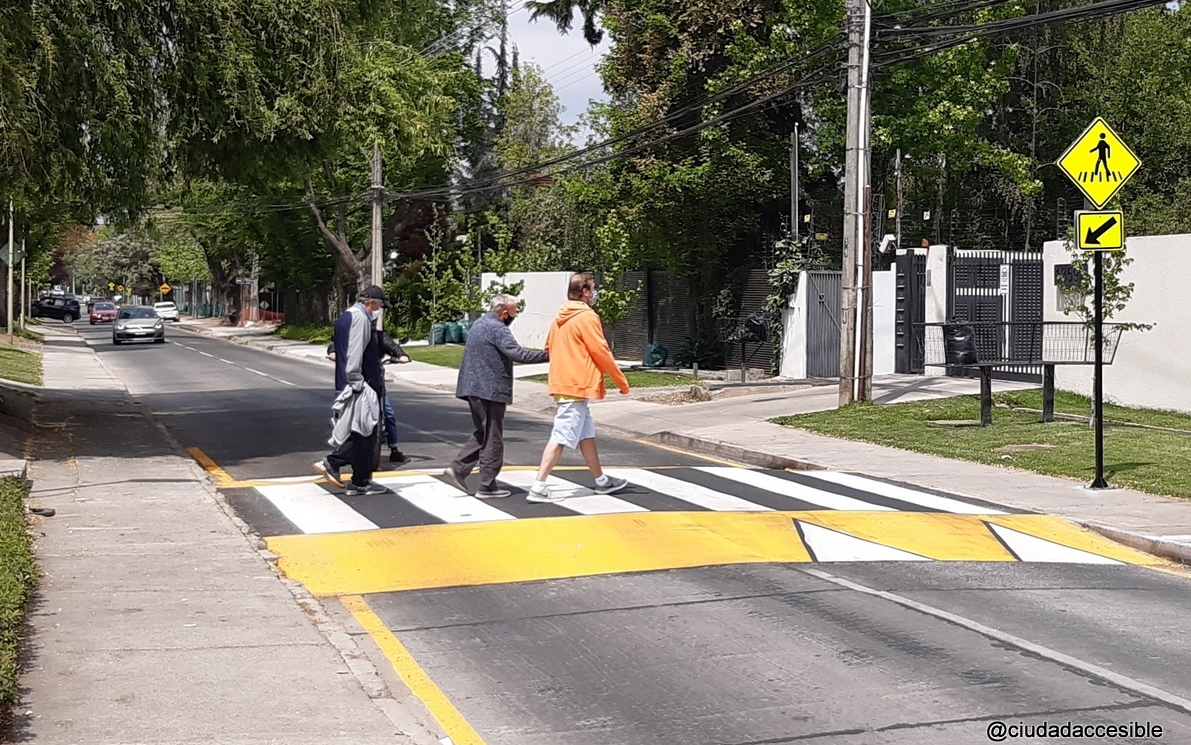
370, 367
487, 368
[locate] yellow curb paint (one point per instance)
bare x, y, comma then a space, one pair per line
412, 674
1060, 531
468, 554
688, 453
940, 536
221, 477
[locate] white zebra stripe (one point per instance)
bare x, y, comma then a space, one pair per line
922, 499
794, 490
700, 496
579, 499
312, 509
442, 500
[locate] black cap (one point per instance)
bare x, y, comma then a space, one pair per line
372, 292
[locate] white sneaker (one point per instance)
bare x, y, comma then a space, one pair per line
543, 496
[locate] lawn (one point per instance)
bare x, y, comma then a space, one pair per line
315, 334
18, 575
639, 379
446, 355
1154, 461
20, 366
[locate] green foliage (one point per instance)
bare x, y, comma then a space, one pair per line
1116, 294
613, 260
313, 333
19, 365
181, 261
793, 258
18, 579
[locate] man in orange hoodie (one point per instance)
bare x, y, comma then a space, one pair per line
579, 358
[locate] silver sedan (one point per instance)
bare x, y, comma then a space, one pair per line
138, 324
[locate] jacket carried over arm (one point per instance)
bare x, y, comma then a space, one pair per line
579, 354
357, 351
487, 368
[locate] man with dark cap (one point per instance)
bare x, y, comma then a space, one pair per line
358, 364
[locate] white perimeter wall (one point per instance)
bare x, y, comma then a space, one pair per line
544, 293
884, 325
1152, 368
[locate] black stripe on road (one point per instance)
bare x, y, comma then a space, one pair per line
386, 510
253, 508
854, 493
750, 493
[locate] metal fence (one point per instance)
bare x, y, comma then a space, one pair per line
1014, 344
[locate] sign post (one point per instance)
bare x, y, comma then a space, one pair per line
1099, 163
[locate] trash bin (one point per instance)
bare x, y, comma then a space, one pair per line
464, 327
959, 344
454, 333
438, 334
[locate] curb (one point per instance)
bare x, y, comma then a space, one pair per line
1153, 545
730, 452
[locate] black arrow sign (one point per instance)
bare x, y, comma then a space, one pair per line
1093, 237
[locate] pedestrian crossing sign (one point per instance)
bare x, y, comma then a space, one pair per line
1099, 162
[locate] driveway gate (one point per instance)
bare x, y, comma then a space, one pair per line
997, 287
823, 302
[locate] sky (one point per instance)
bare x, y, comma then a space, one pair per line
567, 61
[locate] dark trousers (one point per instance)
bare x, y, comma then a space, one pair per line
487, 443
359, 453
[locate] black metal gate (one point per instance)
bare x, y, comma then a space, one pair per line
995, 287
824, 293
911, 312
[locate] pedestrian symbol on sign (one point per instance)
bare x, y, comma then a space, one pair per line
1099, 162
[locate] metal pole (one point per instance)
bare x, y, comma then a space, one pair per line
1098, 381
377, 238
10, 240
863, 227
794, 216
22, 283
852, 191
898, 216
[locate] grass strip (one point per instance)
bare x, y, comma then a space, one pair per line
1152, 461
20, 366
444, 355
313, 333
18, 576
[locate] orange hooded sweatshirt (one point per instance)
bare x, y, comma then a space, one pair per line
579, 353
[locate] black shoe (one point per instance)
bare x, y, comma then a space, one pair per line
330, 472
396, 456
371, 490
493, 493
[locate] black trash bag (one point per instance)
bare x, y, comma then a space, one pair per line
655, 355
751, 329
959, 344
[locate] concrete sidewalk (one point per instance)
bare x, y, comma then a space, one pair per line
157, 620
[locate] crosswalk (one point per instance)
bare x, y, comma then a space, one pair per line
424, 498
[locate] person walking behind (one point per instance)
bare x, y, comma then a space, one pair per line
358, 363
579, 359
486, 383
391, 347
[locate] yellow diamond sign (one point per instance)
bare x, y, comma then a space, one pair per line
164, 288
1099, 162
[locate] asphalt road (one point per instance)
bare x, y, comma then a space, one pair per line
762, 652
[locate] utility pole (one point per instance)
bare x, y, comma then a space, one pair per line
794, 216
855, 198
378, 259
847, 354
10, 240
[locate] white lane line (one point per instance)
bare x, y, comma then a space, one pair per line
441, 500
1028, 548
257, 372
177, 343
286, 382
833, 545
696, 494
190, 348
205, 354
227, 361
930, 501
579, 499
312, 509
794, 490
1123, 681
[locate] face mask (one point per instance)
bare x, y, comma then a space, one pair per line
594, 295
508, 320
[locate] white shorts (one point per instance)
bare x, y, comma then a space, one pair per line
572, 423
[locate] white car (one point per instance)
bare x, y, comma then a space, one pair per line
167, 311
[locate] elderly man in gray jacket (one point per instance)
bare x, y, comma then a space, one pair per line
486, 383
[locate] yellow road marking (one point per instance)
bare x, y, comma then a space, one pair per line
221, 476
688, 453
525, 550
412, 674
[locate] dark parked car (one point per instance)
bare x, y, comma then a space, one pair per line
63, 307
